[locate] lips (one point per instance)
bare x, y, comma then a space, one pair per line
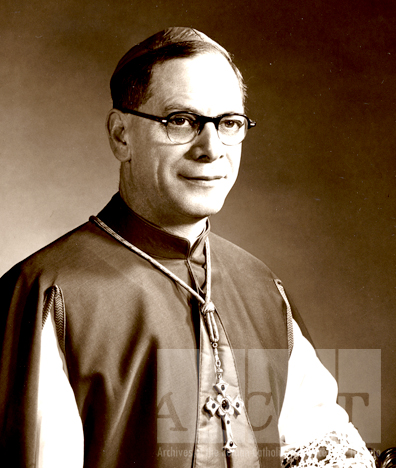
203, 177
204, 182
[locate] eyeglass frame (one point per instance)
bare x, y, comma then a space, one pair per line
202, 121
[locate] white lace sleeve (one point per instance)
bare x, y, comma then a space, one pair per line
335, 449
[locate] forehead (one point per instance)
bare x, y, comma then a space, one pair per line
204, 83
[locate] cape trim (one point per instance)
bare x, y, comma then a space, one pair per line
289, 316
54, 299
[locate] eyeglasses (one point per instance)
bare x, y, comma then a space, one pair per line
183, 127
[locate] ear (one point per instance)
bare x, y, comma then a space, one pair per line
116, 125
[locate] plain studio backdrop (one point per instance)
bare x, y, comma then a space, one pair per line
315, 199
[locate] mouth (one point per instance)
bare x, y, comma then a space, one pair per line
204, 181
204, 178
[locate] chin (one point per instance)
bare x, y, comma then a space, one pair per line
203, 210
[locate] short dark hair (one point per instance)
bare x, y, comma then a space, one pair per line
130, 83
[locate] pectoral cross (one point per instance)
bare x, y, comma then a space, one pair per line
225, 407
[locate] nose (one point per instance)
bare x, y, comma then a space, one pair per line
207, 144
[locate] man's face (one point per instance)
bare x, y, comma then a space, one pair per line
182, 183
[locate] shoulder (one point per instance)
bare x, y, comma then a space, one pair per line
58, 251
76, 250
233, 255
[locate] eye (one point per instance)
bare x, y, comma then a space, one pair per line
232, 123
182, 121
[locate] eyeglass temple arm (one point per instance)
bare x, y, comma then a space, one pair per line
146, 116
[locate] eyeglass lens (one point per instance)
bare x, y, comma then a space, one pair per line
183, 128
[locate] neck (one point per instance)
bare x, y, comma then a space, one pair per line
189, 230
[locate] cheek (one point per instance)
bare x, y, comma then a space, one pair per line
169, 161
235, 161
149, 146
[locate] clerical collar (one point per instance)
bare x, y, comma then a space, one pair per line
145, 235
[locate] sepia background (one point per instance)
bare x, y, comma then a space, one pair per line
316, 195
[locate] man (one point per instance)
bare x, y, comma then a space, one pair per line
142, 339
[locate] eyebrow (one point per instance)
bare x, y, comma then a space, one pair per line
182, 108
178, 106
